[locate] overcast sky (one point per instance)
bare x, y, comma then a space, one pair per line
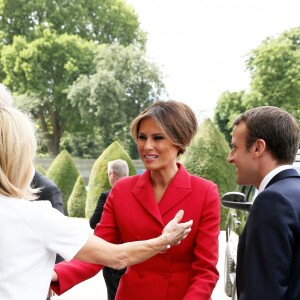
201, 45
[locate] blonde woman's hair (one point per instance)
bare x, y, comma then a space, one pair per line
17, 150
176, 119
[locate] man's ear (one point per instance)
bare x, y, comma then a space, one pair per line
259, 147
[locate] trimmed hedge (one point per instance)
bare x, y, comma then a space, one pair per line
98, 181
207, 157
64, 173
40, 169
77, 199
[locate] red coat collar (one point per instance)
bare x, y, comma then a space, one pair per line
176, 192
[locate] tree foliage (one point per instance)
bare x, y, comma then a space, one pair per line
103, 21
124, 83
46, 45
275, 80
98, 181
114, 83
40, 169
64, 174
83, 144
207, 157
275, 72
41, 71
229, 106
76, 201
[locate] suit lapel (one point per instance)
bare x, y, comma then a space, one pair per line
283, 174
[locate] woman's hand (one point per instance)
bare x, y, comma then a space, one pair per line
175, 232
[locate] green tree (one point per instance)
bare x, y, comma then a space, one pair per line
83, 144
103, 21
64, 174
76, 201
229, 106
275, 72
47, 48
125, 82
41, 169
98, 181
41, 71
207, 157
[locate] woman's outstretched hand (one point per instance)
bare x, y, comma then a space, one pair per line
175, 232
98, 251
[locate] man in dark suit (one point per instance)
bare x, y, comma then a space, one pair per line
116, 169
265, 141
48, 191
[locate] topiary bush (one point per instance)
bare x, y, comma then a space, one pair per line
40, 169
98, 181
207, 157
64, 173
77, 199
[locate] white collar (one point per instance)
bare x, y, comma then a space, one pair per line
270, 175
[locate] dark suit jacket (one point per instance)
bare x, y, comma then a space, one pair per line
49, 191
96, 217
268, 259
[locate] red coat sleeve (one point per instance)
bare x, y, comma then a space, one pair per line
71, 273
75, 271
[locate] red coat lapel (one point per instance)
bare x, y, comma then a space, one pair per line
179, 188
143, 193
177, 191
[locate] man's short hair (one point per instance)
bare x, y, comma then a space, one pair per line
276, 127
119, 167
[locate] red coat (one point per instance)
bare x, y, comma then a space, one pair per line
187, 271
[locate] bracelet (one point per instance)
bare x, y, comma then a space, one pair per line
169, 244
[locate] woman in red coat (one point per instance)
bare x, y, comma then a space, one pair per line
139, 206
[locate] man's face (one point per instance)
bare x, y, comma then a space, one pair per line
242, 157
